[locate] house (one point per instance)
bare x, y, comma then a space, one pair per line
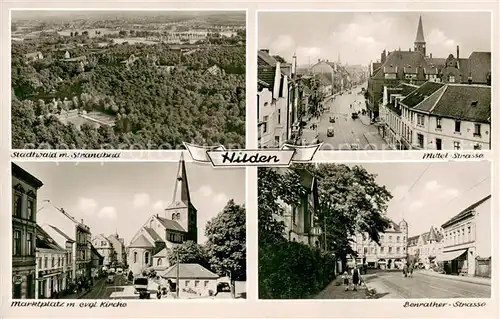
118, 244
34, 56
177, 224
447, 116
427, 246
215, 70
194, 279
96, 263
390, 254
51, 266
24, 217
467, 241
105, 248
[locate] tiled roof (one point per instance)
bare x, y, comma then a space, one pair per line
410, 70
170, 224
431, 70
436, 62
463, 66
479, 66
464, 102
189, 271
418, 95
266, 75
465, 212
265, 58
429, 102
406, 88
161, 253
141, 242
403, 59
153, 234
43, 240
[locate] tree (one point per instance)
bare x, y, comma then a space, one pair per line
350, 202
316, 99
189, 252
226, 244
279, 58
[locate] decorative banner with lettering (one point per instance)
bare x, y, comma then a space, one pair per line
284, 156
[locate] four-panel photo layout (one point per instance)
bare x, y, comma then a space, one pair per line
413, 86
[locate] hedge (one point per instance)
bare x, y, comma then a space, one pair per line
291, 270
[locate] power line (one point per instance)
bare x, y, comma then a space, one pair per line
415, 182
470, 188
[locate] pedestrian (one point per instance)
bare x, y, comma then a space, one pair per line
355, 278
410, 270
345, 276
158, 293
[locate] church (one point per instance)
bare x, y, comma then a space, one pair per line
151, 245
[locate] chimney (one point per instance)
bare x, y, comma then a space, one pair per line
458, 52
430, 55
82, 221
265, 50
319, 60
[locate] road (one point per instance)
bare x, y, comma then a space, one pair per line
394, 285
348, 132
103, 290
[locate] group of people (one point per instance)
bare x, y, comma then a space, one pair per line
353, 279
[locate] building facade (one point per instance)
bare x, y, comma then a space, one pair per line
24, 214
105, 248
426, 247
467, 241
51, 266
119, 248
390, 254
159, 233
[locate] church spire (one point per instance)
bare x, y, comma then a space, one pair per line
419, 39
181, 190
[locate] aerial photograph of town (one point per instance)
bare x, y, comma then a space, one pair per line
127, 79
357, 84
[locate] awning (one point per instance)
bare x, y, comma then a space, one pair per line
450, 255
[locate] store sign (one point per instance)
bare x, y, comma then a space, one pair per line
17, 280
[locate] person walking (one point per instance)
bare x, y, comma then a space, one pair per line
355, 278
345, 276
405, 270
410, 270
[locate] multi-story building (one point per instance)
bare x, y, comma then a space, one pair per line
446, 117
153, 242
467, 241
119, 249
417, 67
50, 266
83, 251
96, 262
105, 248
390, 254
24, 215
277, 100
426, 247
63, 240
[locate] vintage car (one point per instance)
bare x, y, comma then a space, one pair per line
332, 119
330, 132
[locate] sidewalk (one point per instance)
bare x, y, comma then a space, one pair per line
336, 290
474, 280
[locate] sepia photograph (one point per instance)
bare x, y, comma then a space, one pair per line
402, 80
375, 231
127, 79
124, 230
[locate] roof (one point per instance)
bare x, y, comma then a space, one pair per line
32, 54
76, 59
153, 234
266, 74
44, 241
479, 66
400, 59
466, 212
395, 226
460, 101
170, 224
432, 234
189, 271
418, 95
264, 58
22, 174
161, 253
140, 242
436, 62
420, 32
60, 232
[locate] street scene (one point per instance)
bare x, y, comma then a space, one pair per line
353, 84
145, 240
375, 231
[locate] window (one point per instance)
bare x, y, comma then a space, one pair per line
390, 239
29, 242
381, 249
18, 205
439, 144
390, 250
146, 258
294, 215
438, 123
420, 139
46, 262
277, 140
477, 130
264, 125
457, 126
31, 209
451, 79
206, 283
365, 250
456, 145
398, 250
39, 262
135, 257
16, 249
158, 263
279, 116
397, 239
420, 120
196, 283
53, 264
186, 283
390, 76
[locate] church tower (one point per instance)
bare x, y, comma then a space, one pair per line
419, 45
181, 209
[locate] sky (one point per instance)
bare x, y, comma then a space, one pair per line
360, 37
121, 196
442, 191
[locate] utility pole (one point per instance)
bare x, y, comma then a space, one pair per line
178, 283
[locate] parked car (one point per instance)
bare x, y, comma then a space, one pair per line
119, 271
330, 132
141, 287
110, 279
354, 115
354, 147
332, 119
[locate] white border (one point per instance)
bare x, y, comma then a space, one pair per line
250, 307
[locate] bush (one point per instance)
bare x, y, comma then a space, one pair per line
292, 270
